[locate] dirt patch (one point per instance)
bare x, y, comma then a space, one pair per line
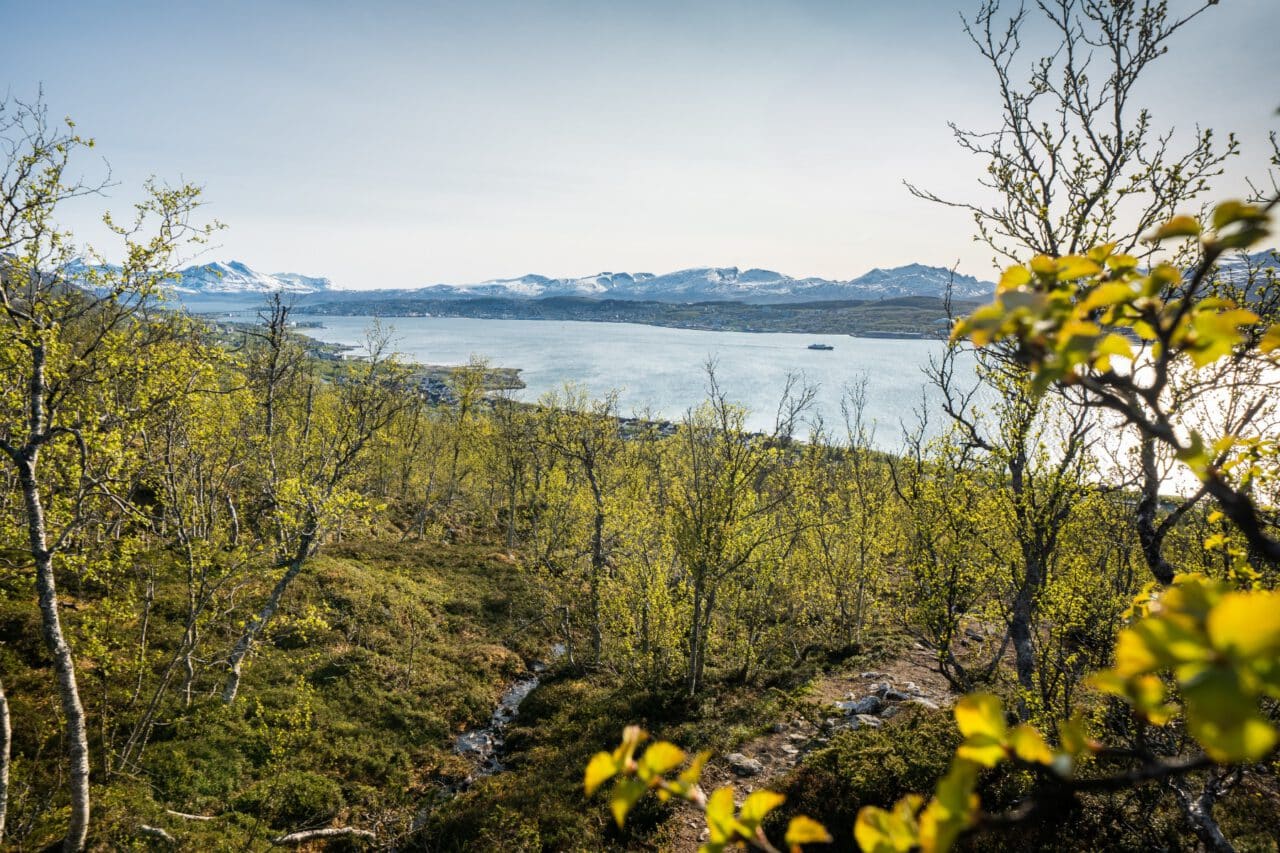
908, 678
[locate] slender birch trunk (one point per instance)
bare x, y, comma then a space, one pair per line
64, 664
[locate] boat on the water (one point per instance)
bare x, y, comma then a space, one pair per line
821, 346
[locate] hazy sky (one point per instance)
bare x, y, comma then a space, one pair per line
386, 143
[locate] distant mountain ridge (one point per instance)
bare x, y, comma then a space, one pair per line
236, 277
698, 284
224, 278
729, 284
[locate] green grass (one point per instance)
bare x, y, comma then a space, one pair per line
382, 653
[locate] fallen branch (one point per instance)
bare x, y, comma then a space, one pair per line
294, 839
157, 832
186, 816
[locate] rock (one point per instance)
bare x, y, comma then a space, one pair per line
890, 712
796, 736
910, 687
866, 705
778, 728
897, 696
872, 675
868, 720
881, 688
789, 749
744, 766
925, 703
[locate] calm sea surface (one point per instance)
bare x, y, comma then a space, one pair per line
662, 369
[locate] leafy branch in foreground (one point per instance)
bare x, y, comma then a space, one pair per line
649, 771
1216, 646
1069, 320
1219, 646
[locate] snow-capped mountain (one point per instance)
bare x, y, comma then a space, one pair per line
703, 284
234, 277
221, 278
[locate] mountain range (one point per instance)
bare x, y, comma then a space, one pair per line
701, 284
727, 284
234, 277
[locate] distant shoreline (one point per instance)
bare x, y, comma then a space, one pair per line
901, 318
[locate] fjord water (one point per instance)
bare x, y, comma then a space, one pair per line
661, 369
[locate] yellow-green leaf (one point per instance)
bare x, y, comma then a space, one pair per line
1178, 226
982, 749
980, 714
1072, 267
1029, 745
879, 831
756, 806
806, 830
720, 820
600, 769
1013, 277
661, 757
1106, 295
625, 794
1246, 624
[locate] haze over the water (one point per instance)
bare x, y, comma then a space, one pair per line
406, 143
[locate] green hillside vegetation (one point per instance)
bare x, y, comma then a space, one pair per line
251, 594
903, 316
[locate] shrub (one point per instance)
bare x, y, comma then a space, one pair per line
293, 798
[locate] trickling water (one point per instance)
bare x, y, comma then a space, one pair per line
485, 744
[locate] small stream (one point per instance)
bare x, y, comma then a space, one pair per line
485, 744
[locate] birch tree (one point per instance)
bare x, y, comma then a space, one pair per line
67, 329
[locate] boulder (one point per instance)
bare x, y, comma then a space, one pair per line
868, 720
925, 703
744, 766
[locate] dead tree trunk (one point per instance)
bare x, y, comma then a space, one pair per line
235, 662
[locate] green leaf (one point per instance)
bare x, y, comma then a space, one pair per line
1029, 745
600, 769
1270, 340
879, 831
1223, 717
660, 758
625, 794
980, 714
806, 830
952, 808
1044, 265
1074, 267
756, 806
1178, 226
1231, 212
1106, 295
1246, 624
632, 737
720, 820
1013, 277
